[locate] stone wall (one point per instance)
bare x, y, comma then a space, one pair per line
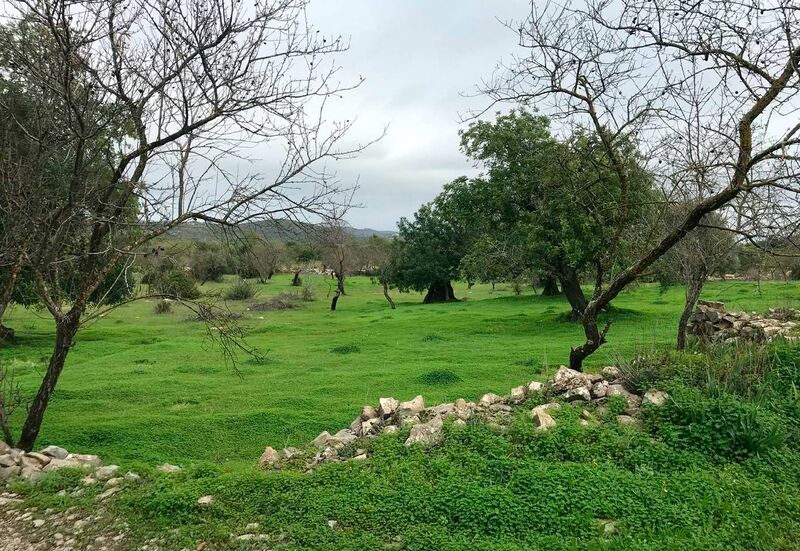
426, 423
710, 322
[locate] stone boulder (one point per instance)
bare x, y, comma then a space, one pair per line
270, 459
426, 433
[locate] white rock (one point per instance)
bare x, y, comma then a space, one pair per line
112, 482
168, 469
252, 527
269, 459
489, 399
518, 393
131, 476
31, 474
68, 463
322, 440
290, 453
55, 451
4, 448
426, 433
104, 473
205, 501
7, 461
581, 393
417, 405
38, 457
38, 523
542, 420
552, 406
655, 397
600, 389
535, 386
86, 459
443, 409
368, 412
389, 429
567, 379
388, 406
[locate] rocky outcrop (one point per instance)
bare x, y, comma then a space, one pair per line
710, 322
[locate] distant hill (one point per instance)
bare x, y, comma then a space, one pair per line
283, 230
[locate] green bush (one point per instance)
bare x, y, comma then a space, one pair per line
175, 283
724, 426
241, 290
162, 307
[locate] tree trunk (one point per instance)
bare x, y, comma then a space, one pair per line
340, 284
270, 274
65, 331
386, 294
336, 296
550, 285
6, 333
693, 289
296, 281
441, 291
571, 286
594, 339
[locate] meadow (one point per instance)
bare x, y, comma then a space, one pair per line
140, 387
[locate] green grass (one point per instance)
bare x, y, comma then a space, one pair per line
717, 468
153, 388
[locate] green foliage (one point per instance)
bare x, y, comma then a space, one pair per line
346, 349
175, 283
208, 264
162, 307
241, 290
439, 377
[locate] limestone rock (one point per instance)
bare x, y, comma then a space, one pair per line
426, 433
488, 399
269, 459
542, 420
582, 393
205, 501
389, 429
86, 459
518, 393
443, 409
610, 372
168, 469
104, 473
552, 406
291, 453
600, 389
8, 472
417, 405
31, 474
368, 412
55, 451
535, 386
39, 458
655, 397
344, 436
67, 463
7, 461
567, 379
322, 440
4, 448
131, 476
388, 406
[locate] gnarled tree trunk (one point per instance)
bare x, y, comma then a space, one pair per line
693, 289
386, 294
550, 287
296, 281
571, 286
339, 290
441, 291
65, 332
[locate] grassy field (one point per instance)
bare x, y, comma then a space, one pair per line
151, 388
717, 468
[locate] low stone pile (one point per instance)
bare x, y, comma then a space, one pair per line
16, 464
711, 323
426, 423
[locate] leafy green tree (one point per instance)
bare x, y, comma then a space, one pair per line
427, 253
552, 207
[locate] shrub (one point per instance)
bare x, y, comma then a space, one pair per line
346, 349
307, 294
241, 290
439, 377
175, 283
723, 426
162, 307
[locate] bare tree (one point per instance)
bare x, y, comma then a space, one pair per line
339, 252
633, 69
163, 94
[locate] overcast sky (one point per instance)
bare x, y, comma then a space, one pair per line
418, 58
